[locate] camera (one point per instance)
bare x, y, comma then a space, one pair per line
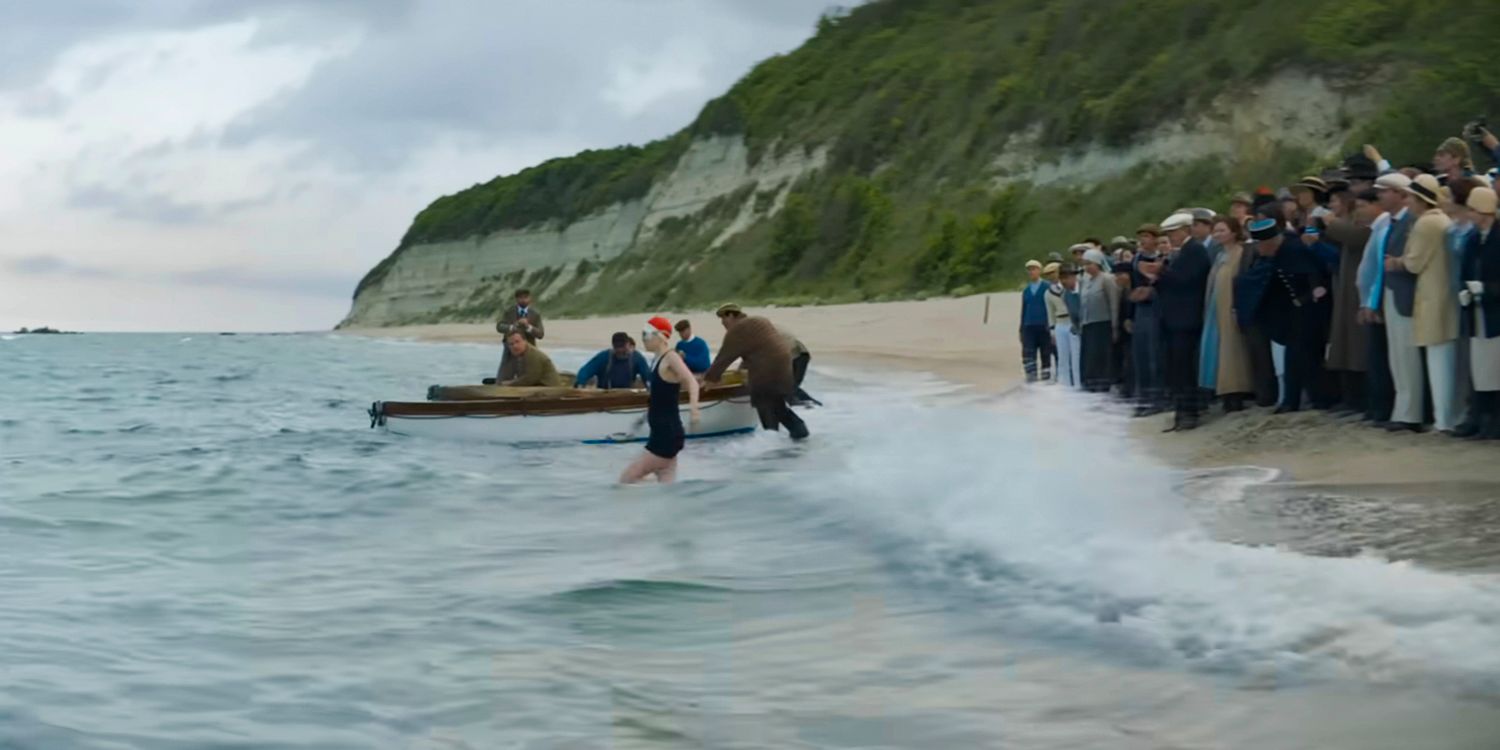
1474, 130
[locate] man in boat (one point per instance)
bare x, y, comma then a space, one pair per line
618, 367
767, 360
694, 350
520, 317
527, 366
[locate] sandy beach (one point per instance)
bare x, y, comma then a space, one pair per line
951, 339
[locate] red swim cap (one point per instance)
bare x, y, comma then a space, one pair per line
661, 324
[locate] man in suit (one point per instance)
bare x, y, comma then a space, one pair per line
1181, 283
1398, 289
519, 318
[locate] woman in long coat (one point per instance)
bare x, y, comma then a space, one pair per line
1348, 340
1224, 365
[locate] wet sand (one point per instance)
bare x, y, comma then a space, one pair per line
951, 339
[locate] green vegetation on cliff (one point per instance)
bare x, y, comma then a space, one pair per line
914, 100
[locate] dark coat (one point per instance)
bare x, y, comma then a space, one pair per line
1182, 287
1277, 292
1482, 263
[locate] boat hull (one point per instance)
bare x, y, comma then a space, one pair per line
720, 417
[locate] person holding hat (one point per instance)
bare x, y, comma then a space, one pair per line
1480, 298
619, 367
1180, 282
668, 376
1036, 336
1147, 356
1434, 310
1281, 293
767, 361
1064, 313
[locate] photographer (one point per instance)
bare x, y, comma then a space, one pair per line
1477, 133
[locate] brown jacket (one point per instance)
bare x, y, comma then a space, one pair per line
1435, 313
767, 356
534, 368
512, 314
1347, 337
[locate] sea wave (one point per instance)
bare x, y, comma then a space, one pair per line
1069, 533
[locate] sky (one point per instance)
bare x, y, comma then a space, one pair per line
237, 165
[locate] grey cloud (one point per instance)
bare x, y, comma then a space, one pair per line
334, 286
51, 265
509, 70
34, 34
155, 208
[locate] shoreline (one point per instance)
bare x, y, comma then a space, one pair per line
949, 339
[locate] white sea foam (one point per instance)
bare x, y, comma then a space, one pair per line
1046, 508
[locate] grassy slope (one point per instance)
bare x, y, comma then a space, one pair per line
914, 98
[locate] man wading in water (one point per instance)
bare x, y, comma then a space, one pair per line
668, 377
768, 361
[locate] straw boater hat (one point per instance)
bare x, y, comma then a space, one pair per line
1150, 229
1426, 187
1482, 200
1313, 183
1177, 221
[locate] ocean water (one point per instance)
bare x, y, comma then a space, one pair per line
203, 545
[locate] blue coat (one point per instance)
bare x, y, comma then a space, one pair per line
695, 354
610, 376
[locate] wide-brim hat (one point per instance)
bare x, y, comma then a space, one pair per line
729, 309
1313, 183
1426, 187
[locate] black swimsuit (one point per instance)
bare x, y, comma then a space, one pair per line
664, 415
